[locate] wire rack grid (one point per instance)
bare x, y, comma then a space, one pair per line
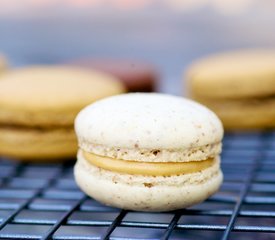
43, 202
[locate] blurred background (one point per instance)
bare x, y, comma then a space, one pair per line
167, 33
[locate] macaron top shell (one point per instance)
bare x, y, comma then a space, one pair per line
237, 74
52, 90
148, 121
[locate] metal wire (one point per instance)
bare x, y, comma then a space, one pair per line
115, 223
43, 202
62, 219
252, 170
171, 226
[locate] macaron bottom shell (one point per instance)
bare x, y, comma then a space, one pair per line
257, 113
34, 145
147, 193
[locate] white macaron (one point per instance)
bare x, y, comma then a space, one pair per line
148, 152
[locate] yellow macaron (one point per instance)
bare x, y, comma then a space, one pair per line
239, 86
38, 106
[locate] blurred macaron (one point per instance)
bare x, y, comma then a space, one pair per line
38, 106
137, 76
238, 85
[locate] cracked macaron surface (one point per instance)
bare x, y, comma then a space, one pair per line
149, 152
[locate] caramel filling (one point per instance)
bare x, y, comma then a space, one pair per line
147, 168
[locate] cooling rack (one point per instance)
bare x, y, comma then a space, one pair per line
43, 202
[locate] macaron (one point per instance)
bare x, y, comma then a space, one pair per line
239, 86
38, 106
136, 76
238, 114
148, 152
